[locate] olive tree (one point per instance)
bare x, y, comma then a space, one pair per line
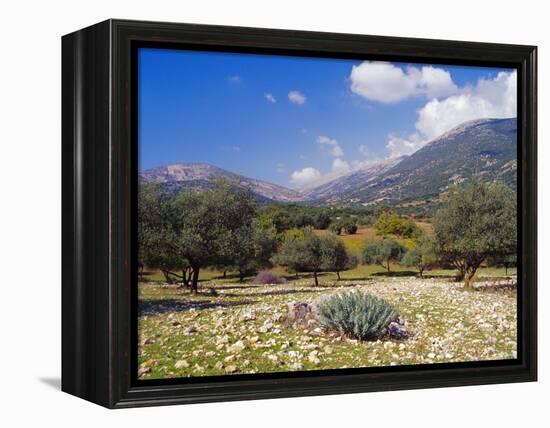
422, 256
477, 221
301, 252
334, 255
158, 246
382, 252
212, 226
251, 248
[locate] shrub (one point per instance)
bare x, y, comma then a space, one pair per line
267, 277
350, 226
335, 227
357, 314
322, 220
390, 223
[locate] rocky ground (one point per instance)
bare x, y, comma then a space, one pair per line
242, 328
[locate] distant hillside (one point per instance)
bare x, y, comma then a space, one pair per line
350, 182
202, 175
487, 147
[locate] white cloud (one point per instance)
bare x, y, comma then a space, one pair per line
331, 144
489, 98
280, 168
386, 83
304, 177
297, 97
269, 97
340, 166
235, 79
309, 178
404, 146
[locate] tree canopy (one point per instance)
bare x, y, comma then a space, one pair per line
423, 255
382, 252
478, 220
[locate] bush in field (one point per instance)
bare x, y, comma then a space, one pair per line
382, 252
357, 314
350, 226
390, 223
336, 227
477, 221
303, 220
422, 256
322, 220
267, 277
366, 220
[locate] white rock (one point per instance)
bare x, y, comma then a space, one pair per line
237, 347
181, 364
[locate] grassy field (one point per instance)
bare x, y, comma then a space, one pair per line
231, 327
361, 272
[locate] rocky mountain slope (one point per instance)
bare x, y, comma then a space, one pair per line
202, 175
487, 147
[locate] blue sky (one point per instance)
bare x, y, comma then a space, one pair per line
300, 121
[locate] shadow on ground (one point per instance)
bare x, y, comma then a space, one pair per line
162, 306
396, 274
278, 292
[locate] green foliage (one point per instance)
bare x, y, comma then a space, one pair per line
334, 255
391, 223
308, 252
477, 221
277, 216
382, 252
423, 255
322, 220
335, 227
366, 220
215, 227
357, 314
157, 238
350, 226
303, 220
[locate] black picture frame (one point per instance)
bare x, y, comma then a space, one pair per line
98, 191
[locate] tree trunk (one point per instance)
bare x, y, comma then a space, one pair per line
195, 282
468, 278
388, 266
224, 274
420, 272
241, 276
505, 270
461, 272
167, 277
338, 275
315, 278
183, 277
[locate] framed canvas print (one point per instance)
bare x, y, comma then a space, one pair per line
252, 213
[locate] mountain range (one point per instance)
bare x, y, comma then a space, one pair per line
486, 147
202, 175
